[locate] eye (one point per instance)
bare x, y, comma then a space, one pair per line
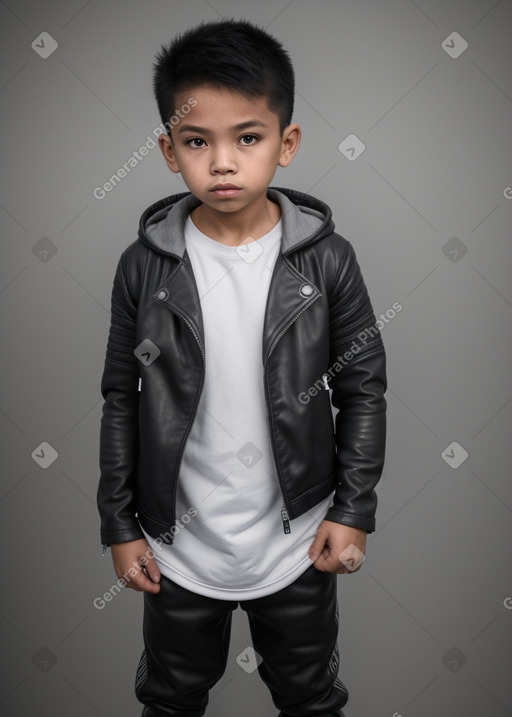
247, 139
196, 142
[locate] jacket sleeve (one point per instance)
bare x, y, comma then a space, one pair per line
358, 385
119, 422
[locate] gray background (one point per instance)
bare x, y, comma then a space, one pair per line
426, 624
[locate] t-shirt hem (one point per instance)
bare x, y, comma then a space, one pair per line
237, 594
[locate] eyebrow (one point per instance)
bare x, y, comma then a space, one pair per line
203, 130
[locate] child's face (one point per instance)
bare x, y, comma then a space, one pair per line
228, 139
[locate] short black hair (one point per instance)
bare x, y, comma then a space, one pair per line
225, 53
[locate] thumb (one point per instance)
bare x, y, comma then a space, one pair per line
153, 570
150, 566
318, 544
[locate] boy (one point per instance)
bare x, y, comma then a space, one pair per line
234, 315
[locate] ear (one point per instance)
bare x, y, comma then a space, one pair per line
290, 142
165, 144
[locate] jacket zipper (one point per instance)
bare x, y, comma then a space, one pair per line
189, 427
285, 517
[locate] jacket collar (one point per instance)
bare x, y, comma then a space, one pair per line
305, 219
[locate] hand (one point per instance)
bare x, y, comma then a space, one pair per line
338, 548
134, 563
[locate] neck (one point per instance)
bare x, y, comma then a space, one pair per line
235, 228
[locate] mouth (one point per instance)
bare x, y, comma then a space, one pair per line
225, 190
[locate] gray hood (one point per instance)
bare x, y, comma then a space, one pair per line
305, 220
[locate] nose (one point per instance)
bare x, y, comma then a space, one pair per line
222, 161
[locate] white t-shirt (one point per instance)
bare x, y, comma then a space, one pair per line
235, 547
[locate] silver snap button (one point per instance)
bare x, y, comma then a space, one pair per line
306, 290
161, 295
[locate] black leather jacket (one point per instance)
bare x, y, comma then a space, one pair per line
319, 333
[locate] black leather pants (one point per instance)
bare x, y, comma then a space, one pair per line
294, 631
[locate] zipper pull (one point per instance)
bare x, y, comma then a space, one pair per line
325, 379
286, 520
104, 551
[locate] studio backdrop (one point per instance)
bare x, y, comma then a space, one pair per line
406, 112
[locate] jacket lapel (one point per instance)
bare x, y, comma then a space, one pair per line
179, 293
289, 294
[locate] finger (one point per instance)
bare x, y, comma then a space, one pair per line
141, 582
127, 579
327, 563
149, 565
152, 570
330, 565
318, 545
136, 578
